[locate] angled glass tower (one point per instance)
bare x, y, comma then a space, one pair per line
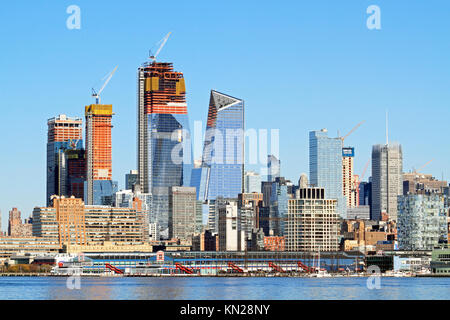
164, 157
222, 169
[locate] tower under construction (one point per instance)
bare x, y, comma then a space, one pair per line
99, 187
64, 134
162, 129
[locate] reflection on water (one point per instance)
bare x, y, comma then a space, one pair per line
223, 288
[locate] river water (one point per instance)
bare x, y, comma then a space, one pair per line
212, 288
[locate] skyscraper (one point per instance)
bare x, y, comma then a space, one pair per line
387, 180
64, 133
222, 168
325, 166
164, 159
349, 179
273, 168
99, 187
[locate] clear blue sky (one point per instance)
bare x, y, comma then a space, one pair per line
299, 66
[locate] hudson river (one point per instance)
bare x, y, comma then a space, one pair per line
34, 288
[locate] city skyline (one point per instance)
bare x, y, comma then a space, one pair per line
25, 194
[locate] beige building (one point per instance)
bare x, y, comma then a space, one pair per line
312, 222
349, 179
20, 245
16, 228
182, 212
70, 222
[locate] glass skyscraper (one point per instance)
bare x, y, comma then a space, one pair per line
325, 166
222, 168
164, 157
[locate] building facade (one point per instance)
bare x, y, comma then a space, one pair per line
222, 170
182, 213
422, 221
231, 236
325, 167
252, 182
387, 180
312, 222
64, 133
17, 228
162, 127
99, 187
349, 179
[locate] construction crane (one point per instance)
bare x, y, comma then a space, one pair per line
362, 175
96, 94
422, 167
351, 131
163, 42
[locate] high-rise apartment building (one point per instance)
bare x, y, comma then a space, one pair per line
387, 180
222, 169
162, 129
99, 187
325, 167
422, 221
182, 212
312, 222
64, 133
349, 179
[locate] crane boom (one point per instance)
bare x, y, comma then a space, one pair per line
351, 131
426, 164
95, 94
163, 42
365, 169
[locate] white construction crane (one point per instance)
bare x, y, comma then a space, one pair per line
163, 42
351, 131
96, 94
